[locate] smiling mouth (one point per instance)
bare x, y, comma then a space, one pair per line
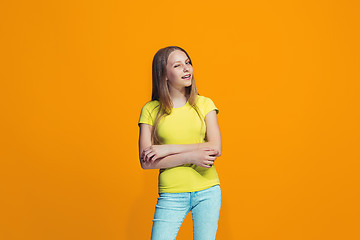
186, 76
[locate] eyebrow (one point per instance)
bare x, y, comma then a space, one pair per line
180, 61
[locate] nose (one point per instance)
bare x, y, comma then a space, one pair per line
186, 68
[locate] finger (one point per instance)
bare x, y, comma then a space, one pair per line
153, 158
147, 153
150, 155
211, 156
213, 152
144, 153
146, 149
208, 149
209, 162
146, 159
206, 166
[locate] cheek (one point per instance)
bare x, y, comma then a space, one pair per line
172, 74
176, 73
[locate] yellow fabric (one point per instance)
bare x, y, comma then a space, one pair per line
182, 126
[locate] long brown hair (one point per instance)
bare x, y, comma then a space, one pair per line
160, 90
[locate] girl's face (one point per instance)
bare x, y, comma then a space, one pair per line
178, 70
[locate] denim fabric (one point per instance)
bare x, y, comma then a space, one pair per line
172, 208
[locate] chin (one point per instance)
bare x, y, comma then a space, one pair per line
188, 82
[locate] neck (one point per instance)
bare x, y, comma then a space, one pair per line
177, 95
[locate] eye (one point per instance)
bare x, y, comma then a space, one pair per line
188, 63
176, 66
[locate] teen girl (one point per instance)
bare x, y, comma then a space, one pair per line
180, 135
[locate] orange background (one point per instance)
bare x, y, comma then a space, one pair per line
75, 74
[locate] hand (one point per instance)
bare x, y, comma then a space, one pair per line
154, 152
203, 157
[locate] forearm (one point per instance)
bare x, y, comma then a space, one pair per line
169, 161
181, 148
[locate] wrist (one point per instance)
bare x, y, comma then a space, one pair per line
170, 149
189, 157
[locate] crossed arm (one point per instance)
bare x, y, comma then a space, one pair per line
172, 155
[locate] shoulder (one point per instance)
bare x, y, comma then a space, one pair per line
202, 100
205, 104
148, 112
151, 105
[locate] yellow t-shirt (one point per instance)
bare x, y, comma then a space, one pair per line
182, 126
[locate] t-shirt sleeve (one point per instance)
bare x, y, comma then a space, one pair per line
145, 116
209, 106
